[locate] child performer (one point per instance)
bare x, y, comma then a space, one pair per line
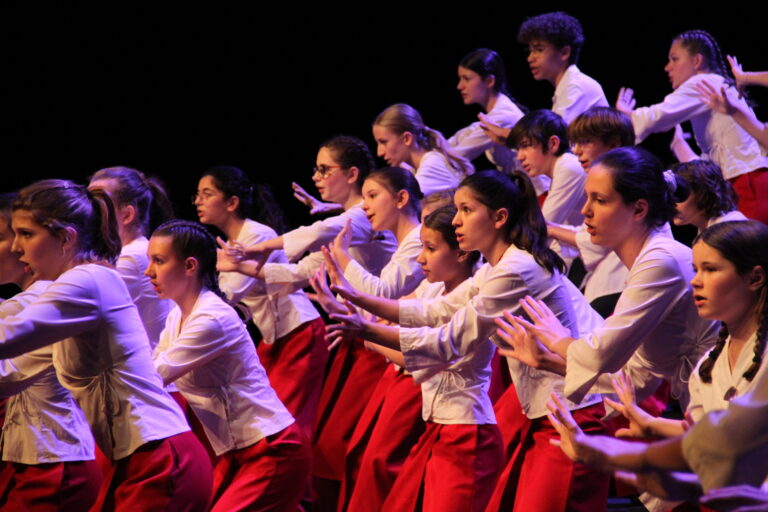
206, 351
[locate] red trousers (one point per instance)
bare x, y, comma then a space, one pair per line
295, 365
58, 486
388, 428
538, 476
452, 468
268, 475
172, 474
752, 189
350, 382
195, 425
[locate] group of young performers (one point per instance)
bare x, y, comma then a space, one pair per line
554, 279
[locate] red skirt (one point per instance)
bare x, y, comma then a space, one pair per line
57, 486
353, 376
268, 475
172, 474
388, 428
295, 365
452, 468
538, 476
752, 189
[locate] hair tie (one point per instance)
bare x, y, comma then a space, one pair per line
669, 177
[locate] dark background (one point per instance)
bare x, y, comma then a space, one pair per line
173, 91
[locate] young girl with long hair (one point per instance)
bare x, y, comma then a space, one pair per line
141, 204
48, 456
293, 349
68, 234
483, 82
695, 57
499, 217
654, 332
403, 138
730, 285
264, 457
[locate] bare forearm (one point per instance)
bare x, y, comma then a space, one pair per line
391, 354
667, 454
273, 244
388, 309
384, 335
562, 234
753, 126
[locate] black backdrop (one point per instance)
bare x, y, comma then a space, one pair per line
172, 91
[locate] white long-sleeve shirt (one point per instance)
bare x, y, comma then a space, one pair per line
274, 314
455, 393
718, 135
43, 423
449, 327
607, 274
399, 277
436, 174
471, 141
131, 264
655, 331
575, 93
372, 249
566, 195
213, 362
730, 446
103, 357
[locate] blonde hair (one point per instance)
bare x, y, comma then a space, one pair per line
400, 118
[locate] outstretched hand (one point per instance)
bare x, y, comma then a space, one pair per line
544, 324
350, 325
323, 294
738, 74
627, 405
339, 283
717, 101
496, 133
524, 347
626, 100
316, 206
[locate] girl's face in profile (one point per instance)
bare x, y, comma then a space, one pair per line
681, 64
332, 181
11, 269
390, 146
719, 291
379, 205
212, 206
167, 271
42, 253
438, 260
474, 223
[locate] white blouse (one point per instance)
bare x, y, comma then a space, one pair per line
655, 331
131, 264
372, 249
566, 195
436, 174
398, 278
42, 421
718, 135
437, 333
575, 93
472, 141
452, 393
726, 383
275, 315
213, 362
103, 357
730, 446
607, 274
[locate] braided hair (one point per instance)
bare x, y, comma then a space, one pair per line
703, 43
192, 240
742, 243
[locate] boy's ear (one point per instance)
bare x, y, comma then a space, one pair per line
565, 53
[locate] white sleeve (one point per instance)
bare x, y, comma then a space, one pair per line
285, 278
68, 307
650, 294
19, 373
572, 102
131, 273
399, 277
435, 175
679, 106
235, 285
201, 340
731, 447
471, 323
432, 312
566, 194
311, 238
